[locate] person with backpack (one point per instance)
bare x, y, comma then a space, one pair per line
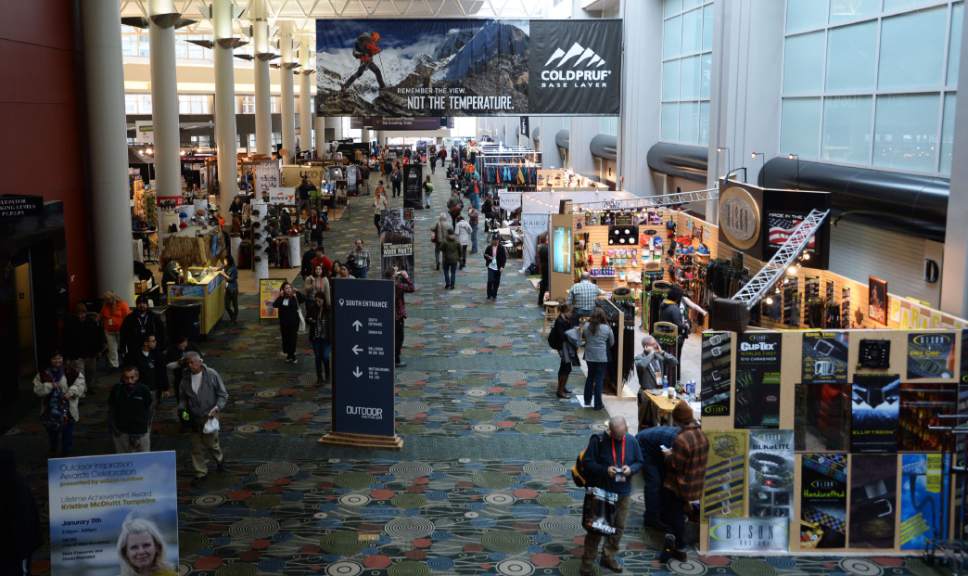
609, 463
364, 49
567, 351
60, 387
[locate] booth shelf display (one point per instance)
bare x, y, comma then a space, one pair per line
204, 286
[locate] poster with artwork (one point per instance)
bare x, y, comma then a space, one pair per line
758, 380
268, 292
822, 417
924, 499
823, 501
724, 487
873, 500
924, 405
824, 358
875, 408
931, 355
113, 514
396, 242
714, 394
266, 176
877, 300
771, 472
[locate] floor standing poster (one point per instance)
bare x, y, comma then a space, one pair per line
875, 409
413, 186
873, 500
101, 503
396, 242
758, 380
716, 364
724, 488
363, 368
924, 499
823, 501
771, 472
268, 292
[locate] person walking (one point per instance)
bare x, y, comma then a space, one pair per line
464, 233
567, 350
396, 179
83, 342
474, 218
611, 463
137, 325
428, 189
152, 367
403, 285
231, 274
177, 359
359, 260
113, 312
202, 397
380, 203
651, 440
685, 470
442, 156
288, 303
317, 317
599, 339
450, 251
438, 234
495, 258
544, 267
61, 387
433, 162
130, 409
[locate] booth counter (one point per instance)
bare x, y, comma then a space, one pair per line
206, 287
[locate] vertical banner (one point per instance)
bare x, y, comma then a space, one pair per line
924, 499
875, 409
396, 242
363, 320
771, 474
724, 487
113, 514
758, 380
873, 500
717, 349
823, 501
268, 292
524, 126
413, 186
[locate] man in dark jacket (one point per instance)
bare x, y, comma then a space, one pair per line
366, 47
152, 367
450, 250
651, 442
402, 285
83, 341
129, 413
671, 312
495, 258
177, 360
611, 464
137, 325
544, 267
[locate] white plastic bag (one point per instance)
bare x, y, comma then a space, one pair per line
211, 426
303, 329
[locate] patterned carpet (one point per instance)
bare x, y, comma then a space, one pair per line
481, 486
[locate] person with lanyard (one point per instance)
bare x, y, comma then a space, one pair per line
288, 303
137, 325
611, 459
360, 260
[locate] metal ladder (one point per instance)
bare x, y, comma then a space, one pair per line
767, 277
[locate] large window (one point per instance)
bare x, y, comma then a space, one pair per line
871, 82
137, 103
687, 43
185, 49
194, 104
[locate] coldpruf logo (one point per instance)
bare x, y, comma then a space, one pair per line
365, 412
579, 67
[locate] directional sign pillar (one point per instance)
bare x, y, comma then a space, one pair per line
363, 364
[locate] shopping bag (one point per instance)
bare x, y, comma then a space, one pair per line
303, 329
598, 511
211, 426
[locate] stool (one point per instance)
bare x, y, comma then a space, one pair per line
550, 313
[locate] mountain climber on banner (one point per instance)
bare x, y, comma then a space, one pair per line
364, 50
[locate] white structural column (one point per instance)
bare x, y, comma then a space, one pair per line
305, 94
225, 132
288, 103
107, 147
954, 280
364, 134
745, 88
320, 126
641, 66
583, 129
164, 99
263, 53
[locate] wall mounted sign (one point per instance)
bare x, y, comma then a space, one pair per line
724, 488
749, 535
740, 217
758, 380
716, 373
823, 501
15, 206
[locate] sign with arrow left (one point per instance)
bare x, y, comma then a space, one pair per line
363, 376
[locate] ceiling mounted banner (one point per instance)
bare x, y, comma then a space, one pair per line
457, 67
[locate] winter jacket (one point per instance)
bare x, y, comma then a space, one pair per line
451, 251
129, 409
71, 384
113, 316
211, 394
82, 338
464, 232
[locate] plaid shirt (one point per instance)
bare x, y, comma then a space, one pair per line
583, 295
686, 466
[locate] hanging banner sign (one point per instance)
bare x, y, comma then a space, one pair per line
510, 201
144, 132
113, 514
266, 177
364, 320
463, 67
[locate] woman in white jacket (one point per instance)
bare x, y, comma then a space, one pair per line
464, 232
60, 387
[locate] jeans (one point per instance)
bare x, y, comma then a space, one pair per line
64, 437
396, 189
594, 382
463, 256
475, 201
450, 274
321, 351
232, 304
398, 340
473, 238
493, 282
674, 515
361, 272
593, 540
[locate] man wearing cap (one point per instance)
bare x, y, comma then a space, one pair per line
685, 469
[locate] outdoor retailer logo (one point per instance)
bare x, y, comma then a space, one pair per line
578, 67
365, 412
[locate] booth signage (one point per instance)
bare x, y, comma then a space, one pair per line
279, 195
739, 218
413, 186
758, 380
771, 473
402, 124
144, 132
268, 292
363, 356
785, 210
823, 501
931, 355
465, 67
874, 413
525, 126
93, 497
716, 376
748, 535
873, 500
724, 488
510, 201
924, 500
824, 358
20, 206
266, 176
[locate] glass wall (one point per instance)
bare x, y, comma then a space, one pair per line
687, 43
194, 104
871, 82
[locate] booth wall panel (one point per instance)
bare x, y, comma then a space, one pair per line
40, 115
